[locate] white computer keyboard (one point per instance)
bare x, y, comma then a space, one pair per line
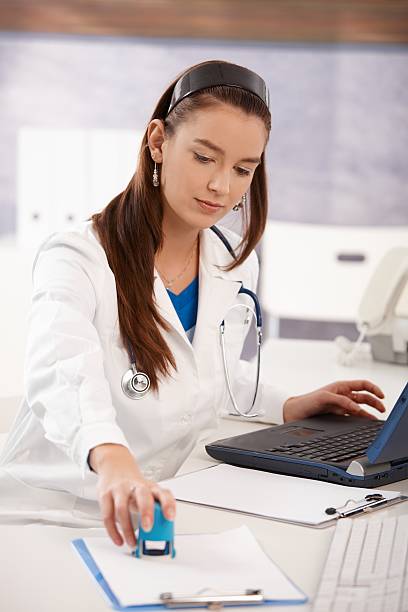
366, 569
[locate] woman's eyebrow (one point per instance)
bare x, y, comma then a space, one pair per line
214, 147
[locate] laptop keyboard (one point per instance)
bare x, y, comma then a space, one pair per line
335, 448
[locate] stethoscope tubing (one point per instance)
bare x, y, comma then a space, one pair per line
257, 316
136, 385
258, 310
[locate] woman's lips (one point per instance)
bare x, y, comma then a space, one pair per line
208, 206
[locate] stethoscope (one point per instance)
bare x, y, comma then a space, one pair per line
136, 385
257, 316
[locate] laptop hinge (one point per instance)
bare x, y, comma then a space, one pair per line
362, 467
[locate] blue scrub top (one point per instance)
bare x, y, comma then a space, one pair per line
186, 306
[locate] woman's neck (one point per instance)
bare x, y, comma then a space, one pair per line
178, 237
180, 249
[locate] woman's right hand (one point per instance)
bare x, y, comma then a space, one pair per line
122, 489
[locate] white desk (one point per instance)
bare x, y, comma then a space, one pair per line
39, 570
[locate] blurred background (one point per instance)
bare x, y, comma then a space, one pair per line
79, 80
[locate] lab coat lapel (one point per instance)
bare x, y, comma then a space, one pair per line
166, 308
217, 289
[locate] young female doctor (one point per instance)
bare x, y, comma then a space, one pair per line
124, 370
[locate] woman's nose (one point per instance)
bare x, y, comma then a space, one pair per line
220, 182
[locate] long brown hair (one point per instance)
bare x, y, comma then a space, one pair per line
130, 230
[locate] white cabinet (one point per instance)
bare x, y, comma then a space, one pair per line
63, 176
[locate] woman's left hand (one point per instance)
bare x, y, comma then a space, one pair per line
343, 397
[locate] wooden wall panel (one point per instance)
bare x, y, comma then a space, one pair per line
354, 21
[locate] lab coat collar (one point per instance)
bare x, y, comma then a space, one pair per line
218, 289
214, 256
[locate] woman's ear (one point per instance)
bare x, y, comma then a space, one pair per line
156, 135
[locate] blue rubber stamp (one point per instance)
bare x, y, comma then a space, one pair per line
162, 531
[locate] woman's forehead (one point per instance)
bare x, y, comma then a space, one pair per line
226, 127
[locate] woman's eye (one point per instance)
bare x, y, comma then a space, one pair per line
206, 160
243, 172
202, 158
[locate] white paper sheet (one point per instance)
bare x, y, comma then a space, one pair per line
285, 498
227, 563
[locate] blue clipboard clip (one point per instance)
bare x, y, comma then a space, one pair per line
212, 602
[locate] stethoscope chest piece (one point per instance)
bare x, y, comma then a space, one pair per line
135, 384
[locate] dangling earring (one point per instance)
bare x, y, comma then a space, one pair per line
156, 181
241, 203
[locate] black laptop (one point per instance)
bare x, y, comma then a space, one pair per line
346, 450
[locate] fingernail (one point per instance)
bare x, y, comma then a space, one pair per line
170, 514
147, 524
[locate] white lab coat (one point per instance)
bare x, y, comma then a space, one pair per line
75, 360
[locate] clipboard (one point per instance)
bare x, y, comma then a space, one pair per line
203, 597
290, 499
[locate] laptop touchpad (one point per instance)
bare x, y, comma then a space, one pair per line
302, 432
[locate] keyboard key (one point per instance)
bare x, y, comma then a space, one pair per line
393, 585
367, 560
377, 588
340, 606
404, 606
400, 547
352, 558
337, 549
358, 606
375, 605
351, 594
384, 548
391, 602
